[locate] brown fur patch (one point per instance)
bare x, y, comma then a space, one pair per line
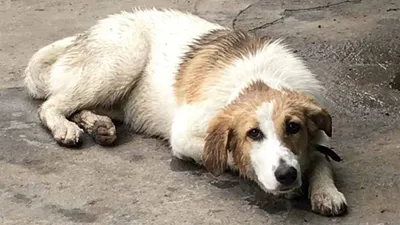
233, 123
207, 56
215, 153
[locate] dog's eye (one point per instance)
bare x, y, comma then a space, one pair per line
292, 128
255, 134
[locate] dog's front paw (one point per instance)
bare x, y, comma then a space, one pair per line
330, 202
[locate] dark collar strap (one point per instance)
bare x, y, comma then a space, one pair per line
328, 152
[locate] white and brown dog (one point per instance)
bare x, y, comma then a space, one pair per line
224, 98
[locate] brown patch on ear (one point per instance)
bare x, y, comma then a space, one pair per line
321, 119
240, 149
215, 153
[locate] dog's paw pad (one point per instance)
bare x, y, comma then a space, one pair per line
329, 203
104, 132
68, 134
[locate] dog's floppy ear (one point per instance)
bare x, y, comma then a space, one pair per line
215, 153
320, 118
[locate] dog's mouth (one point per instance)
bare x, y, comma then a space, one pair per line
281, 189
284, 190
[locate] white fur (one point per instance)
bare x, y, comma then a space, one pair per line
277, 67
189, 128
37, 71
131, 60
267, 154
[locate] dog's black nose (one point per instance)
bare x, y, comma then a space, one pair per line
286, 175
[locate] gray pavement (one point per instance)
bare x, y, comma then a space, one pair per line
354, 46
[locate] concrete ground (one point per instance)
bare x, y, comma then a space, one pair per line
353, 45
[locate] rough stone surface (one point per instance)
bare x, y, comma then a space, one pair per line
353, 45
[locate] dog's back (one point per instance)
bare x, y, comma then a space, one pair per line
169, 33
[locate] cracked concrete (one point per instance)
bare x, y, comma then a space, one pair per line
354, 46
286, 12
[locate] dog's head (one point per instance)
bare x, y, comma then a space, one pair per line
267, 135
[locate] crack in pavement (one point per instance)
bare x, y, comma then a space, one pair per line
393, 9
195, 10
285, 11
323, 6
240, 13
265, 25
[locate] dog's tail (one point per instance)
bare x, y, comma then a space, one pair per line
37, 73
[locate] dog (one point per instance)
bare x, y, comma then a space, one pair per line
225, 98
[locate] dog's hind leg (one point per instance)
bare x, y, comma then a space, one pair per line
96, 71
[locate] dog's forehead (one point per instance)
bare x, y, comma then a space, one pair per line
265, 112
265, 117
271, 115
284, 105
